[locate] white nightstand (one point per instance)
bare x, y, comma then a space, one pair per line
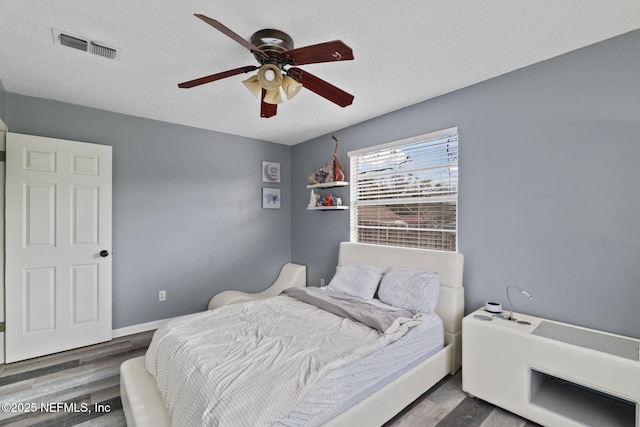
553, 373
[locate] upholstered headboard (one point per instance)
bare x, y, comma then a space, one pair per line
449, 266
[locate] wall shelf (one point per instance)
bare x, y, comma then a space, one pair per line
328, 208
331, 184
327, 185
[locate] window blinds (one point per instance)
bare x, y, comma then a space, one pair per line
406, 193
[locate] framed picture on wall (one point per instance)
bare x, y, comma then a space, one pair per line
270, 171
270, 198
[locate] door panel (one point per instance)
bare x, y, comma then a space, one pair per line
39, 214
39, 160
85, 215
39, 291
58, 219
85, 294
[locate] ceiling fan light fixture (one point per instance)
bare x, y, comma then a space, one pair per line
273, 50
273, 96
291, 86
253, 85
270, 77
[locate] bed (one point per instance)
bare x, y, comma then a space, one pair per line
144, 406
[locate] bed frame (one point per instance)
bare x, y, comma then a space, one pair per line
143, 405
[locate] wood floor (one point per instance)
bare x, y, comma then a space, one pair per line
82, 388
446, 405
80, 378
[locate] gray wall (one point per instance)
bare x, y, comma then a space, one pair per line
3, 102
549, 178
187, 213
548, 193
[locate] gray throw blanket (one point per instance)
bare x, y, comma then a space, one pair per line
352, 308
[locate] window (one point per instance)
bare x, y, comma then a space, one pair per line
406, 193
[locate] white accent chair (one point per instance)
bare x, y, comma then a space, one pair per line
291, 275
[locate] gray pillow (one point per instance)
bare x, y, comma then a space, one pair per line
410, 289
357, 280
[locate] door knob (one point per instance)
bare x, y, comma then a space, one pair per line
104, 253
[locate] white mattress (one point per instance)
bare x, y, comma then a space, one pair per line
344, 387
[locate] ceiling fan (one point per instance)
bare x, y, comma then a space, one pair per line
273, 49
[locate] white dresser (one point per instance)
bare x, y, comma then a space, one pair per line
552, 373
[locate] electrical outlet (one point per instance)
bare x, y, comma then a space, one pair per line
162, 296
322, 282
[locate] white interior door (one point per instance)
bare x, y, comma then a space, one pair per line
58, 244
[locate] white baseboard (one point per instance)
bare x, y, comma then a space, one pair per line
136, 329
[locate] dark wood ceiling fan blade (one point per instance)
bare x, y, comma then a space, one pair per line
230, 33
267, 110
217, 76
323, 52
321, 87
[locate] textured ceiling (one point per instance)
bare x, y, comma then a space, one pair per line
405, 52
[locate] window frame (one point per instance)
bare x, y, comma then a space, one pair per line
443, 198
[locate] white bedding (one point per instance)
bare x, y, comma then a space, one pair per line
225, 366
346, 386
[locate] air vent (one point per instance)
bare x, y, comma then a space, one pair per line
102, 50
63, 38
74, 42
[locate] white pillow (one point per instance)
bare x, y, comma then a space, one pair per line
357, 280
410, 289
